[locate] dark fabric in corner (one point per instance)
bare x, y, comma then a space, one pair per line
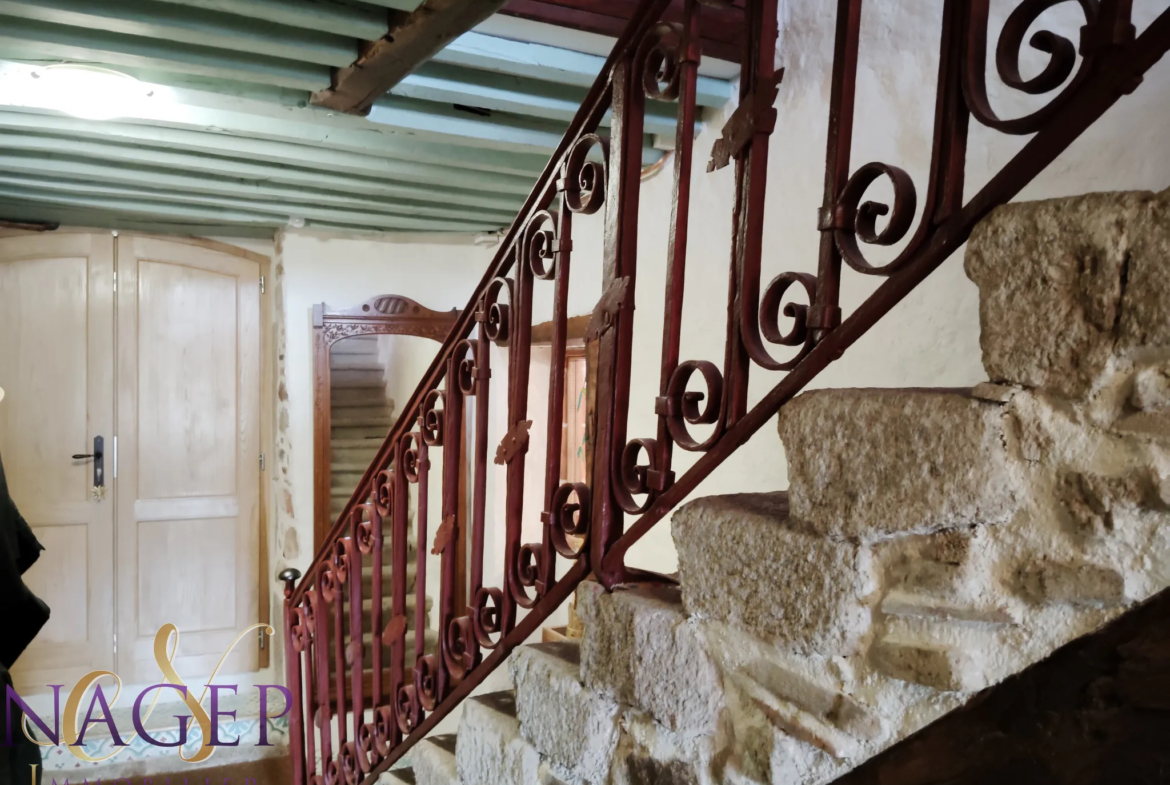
23, 612
22, 615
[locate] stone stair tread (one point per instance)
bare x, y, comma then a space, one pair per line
355, 383
433, 761
491, 750
796, 722
401, 775
502, 702
362, 420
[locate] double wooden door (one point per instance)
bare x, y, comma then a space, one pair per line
153, 345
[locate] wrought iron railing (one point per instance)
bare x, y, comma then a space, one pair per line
350, 726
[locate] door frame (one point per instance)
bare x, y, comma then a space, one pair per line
384, 314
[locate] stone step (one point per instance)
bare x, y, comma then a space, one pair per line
348, 379
433, 761
365, 361
358, 396
572, 726
378, 432
405, 775
358, 344
360, 418
639, 651
831, 613
490, 749
946, 448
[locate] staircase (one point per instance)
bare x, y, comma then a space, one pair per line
930, 544
360, 414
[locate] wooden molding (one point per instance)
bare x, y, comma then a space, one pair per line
575, 330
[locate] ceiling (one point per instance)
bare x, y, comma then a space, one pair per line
218, 135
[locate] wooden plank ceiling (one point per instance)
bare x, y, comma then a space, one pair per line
227, 140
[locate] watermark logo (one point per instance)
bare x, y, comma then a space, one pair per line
98, 710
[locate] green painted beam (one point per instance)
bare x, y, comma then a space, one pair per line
453, 171
107, 219
381, 221
499, 132
190, 26
50, 41
142, 207
296, 172
550, 63
55, 168
353, 20
450, 84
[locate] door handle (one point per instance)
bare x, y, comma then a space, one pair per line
99, 473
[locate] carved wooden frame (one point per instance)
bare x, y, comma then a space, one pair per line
386, 314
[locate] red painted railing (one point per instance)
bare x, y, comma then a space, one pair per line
351, 726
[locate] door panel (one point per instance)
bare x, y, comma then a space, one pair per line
189, 416
56, 367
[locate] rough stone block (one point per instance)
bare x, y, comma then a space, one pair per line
576, 728
640, 650
871, 463
1151, 388
940, 667
1084, 585
744, 561
490, 749
433, 761
1065, 284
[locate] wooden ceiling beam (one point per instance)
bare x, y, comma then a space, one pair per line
418, 37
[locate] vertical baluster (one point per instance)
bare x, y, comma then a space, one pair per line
321, 648
356, 637
616, 321
826, 313
293, 674
339, 664
482, 414
310, 700
520, 355
378, 597
420, 575
757, 86
556, 386
680, 217
452, 430
398, 545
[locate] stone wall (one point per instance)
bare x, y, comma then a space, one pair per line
932, 542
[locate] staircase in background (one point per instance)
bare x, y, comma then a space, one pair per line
911, 621
360, 413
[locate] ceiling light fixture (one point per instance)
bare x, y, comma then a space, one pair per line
87, 91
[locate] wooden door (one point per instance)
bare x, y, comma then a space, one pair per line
56, 367
188, 381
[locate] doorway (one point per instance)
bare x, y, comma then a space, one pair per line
132, 436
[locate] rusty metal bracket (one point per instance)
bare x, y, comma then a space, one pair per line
514, 442
754, 115
443, 535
